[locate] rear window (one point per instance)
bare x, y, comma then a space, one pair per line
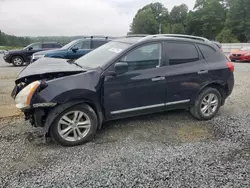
179, 53
207, 51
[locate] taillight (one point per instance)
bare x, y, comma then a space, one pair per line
230, 65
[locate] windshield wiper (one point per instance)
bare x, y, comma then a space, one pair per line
70, 61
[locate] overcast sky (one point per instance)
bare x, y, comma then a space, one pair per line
72, 17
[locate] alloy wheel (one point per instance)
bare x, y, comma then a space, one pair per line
74, 126
17, 61
209, 104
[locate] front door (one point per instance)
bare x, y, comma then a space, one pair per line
186, 72
83, 47
34, 48
141, 88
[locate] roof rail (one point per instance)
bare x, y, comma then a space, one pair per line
177, 35
99, 36
136, 35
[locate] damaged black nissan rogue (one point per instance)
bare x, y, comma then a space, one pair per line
126, 77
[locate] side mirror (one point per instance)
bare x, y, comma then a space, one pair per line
74, 49
30, 48
121, 67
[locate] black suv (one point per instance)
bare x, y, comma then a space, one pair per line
126, 77
19, 57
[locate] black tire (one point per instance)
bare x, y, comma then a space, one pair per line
87, 110
233, 60
196, 110
17, 61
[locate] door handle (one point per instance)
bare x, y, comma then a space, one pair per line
203, 72
158, 79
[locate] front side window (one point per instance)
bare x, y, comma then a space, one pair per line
78, 45
82, 45
36, 46
179, 53
144, 57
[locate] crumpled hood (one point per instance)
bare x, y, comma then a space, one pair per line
49, 65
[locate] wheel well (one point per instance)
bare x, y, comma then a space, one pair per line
17, 56
51, 115
222, 89
99, 112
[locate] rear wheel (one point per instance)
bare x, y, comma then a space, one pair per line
207, 104
17, 61
74, 126
233, 60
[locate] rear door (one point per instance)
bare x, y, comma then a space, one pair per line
186, 72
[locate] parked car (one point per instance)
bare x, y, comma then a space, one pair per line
19, 57
74, 49
126, 77
240, 55
2, 51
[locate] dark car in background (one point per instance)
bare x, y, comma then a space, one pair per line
74, 49
19, 57
126, 77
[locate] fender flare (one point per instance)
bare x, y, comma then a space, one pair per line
215, 84
60, 108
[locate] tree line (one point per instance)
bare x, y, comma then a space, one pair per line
11, 40
221, 20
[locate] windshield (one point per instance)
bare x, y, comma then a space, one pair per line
102, 55
69, 44
247, 48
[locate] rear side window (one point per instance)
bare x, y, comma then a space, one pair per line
179, 53
98, 43
207, 51
47, 45
56, 45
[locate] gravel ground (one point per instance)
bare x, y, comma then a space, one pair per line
162, 150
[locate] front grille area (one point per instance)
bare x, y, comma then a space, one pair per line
236, 55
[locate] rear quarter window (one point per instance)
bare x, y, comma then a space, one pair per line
180, 53
207, 51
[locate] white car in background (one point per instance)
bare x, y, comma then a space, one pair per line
2, 51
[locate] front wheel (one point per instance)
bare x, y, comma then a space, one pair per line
74, 126
17, 61
207, 104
